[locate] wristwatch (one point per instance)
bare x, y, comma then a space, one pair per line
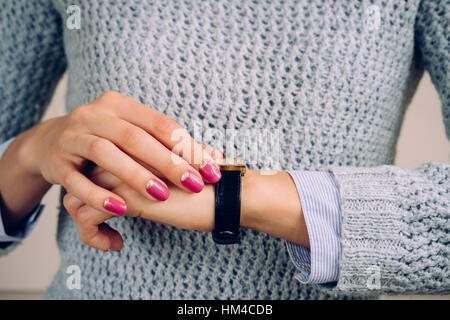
228, 201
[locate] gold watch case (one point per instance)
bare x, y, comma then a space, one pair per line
232, 164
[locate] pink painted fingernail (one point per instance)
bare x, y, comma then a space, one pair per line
115, 206
157, 190
210, 172
192, 182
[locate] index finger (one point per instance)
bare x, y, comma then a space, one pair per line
166, 130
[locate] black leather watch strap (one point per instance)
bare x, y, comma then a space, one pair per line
228, 208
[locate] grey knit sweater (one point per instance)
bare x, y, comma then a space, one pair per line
334, 76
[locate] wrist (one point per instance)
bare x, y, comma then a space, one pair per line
21, 149
32, 146
258, 198
21, 188
270, 204
28, 147
249, 204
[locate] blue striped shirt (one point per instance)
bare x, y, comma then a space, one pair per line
319, 197
320, 201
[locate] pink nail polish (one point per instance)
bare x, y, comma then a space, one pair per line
192, 182
210, 172
115, 206
157, 190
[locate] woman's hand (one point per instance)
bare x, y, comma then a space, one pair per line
125, 138
182, 209
269, 204
134, 142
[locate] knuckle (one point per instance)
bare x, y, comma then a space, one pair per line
79, 114
83, 216
98, 148
139, 212
167, 126
66, 202
110, 95
68, 179
90, 200
130, 136
109, 101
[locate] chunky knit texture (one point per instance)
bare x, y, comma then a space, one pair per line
333, 80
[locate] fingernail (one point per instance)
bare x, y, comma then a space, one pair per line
157, 190
210, 172
192, 182
115, 206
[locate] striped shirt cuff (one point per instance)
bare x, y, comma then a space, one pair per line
25, 229
320, 202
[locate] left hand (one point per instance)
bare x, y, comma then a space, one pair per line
269, 203
194, 211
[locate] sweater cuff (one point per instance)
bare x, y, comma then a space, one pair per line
387, 245
319, 198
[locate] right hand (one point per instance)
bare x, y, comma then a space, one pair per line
127, 139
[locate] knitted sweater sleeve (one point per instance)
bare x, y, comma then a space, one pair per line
395, 222
32, 61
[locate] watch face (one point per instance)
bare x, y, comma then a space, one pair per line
232, 164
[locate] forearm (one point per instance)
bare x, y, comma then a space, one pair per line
270, 203
21, 190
